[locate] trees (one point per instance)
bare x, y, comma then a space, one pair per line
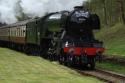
110, 11
121, 3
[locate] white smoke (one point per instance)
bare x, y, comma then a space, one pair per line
7, 11
11, 9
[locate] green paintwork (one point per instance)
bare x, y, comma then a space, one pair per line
32, 37
40, 29
54, 25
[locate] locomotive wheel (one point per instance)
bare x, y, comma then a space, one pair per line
92, 63
65, 60
70, 59
51, 57
61, 59
68, 62
51, 53
27, 50
92, 66
44, 52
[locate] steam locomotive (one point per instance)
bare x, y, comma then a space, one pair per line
64, 36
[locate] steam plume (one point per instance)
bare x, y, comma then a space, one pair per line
11, 9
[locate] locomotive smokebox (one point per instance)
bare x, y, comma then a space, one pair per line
82, 19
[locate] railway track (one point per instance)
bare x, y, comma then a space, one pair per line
108, 76
114, 59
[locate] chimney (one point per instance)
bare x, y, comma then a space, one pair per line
78, 7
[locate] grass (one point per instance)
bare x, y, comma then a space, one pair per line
16, 67
112, 67
114, 39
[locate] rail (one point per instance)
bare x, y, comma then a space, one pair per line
108, 76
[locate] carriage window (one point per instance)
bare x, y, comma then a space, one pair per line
24, 31
19, 32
